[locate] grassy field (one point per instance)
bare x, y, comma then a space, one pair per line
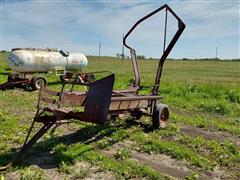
201, 142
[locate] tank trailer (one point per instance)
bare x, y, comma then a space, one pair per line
27, 62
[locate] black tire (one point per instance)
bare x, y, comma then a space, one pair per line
38, 82
66, 77
160, 118
62, 78
136, 114
12, 77
90, 77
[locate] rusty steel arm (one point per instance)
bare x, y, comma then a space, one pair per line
181, 27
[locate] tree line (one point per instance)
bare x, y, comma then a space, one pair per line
120, 55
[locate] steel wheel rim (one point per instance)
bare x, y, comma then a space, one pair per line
39, 83
164, 118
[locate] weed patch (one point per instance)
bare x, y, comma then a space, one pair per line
123, 168
225, 154
31, 173
207, 123
177, 151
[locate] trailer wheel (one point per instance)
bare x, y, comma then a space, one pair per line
12, 77
38, 82
90, 77
160, 116
66, 77
136, 114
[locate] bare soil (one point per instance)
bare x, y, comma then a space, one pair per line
210, 135
165, 164
50, 171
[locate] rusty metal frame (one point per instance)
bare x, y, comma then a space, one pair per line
181, 27
12, 84
96, 108
100, 100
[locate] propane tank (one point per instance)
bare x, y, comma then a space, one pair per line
25, 60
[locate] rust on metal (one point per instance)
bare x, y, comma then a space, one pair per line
37, 49
100, 100
73, 98
12, 84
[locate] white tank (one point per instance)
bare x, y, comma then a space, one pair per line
44, 60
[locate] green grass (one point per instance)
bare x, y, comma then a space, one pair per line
201, 94
31, 173
150, 144
72, 170
3, 59
226, 154
231, 126
124, 168
205, 98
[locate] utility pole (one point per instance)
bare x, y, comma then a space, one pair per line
99, 51
122, 48
216, 52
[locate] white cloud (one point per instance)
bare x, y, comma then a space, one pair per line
210, 18
81, 25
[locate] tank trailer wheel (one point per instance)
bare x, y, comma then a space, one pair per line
38, 82
160, 116
90, 77
12, 77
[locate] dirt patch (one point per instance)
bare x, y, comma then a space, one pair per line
165, 164
210, 135
82, 170
159, 162
54, 174
12, 175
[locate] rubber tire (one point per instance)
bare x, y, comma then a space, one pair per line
160, 116
36, 82
90, 77
62, 78
12, 77
66, 77
136, 114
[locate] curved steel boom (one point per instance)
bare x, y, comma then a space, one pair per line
181, 27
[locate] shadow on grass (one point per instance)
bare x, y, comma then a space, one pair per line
25, 87
4, 73
54, 83
41, 153
19, 86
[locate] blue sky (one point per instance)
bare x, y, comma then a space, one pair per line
79, 26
